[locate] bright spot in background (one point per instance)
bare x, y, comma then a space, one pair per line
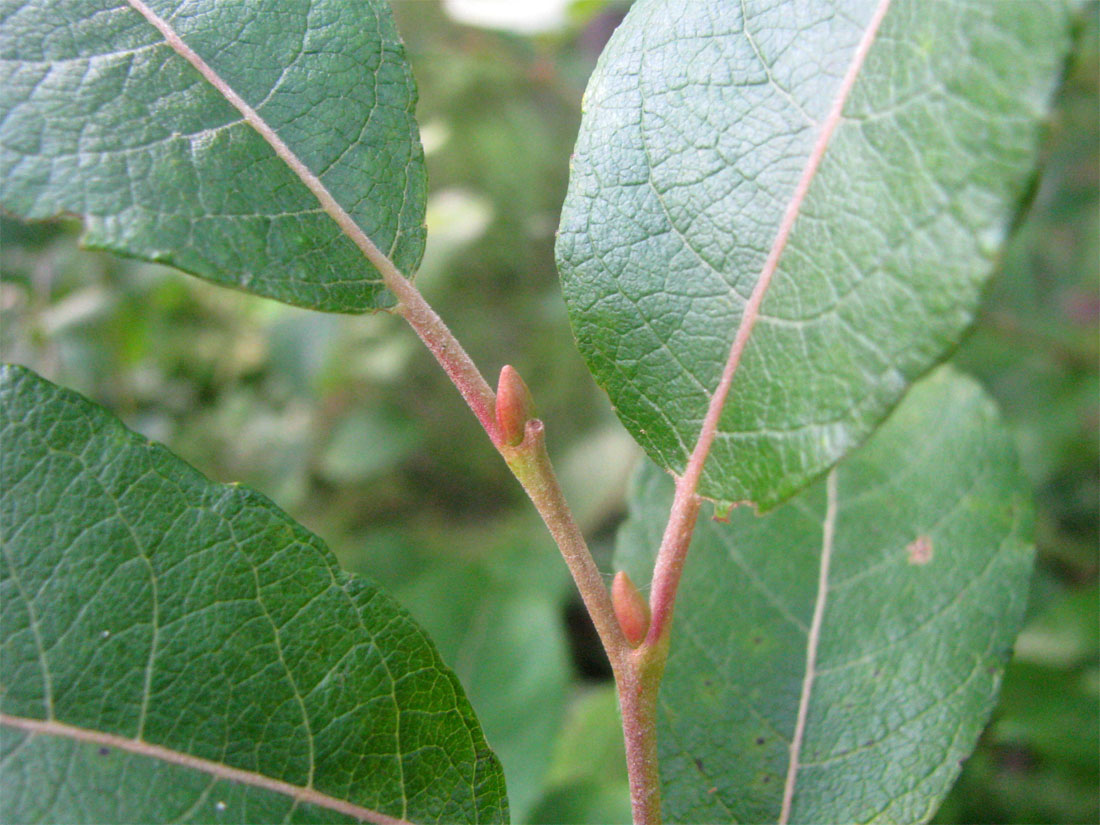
433, 135
521, 16
455, 218
457, 215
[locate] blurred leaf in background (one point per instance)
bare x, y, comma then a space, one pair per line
348, 424
1035, 348
587, 781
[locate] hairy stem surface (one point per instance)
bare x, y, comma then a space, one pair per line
530, 464
638, 679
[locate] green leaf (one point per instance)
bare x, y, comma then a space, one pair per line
700, 131
911, 561
101, 117
499, 625
188, 644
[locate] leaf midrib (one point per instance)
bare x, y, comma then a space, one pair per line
813, 640
139, 747
328, 202
693, 471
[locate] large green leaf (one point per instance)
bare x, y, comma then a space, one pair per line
703, 121
188, 644
102, 118
912, 564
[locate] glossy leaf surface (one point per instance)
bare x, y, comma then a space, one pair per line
190, 645
905, 574
102, 118
893, 140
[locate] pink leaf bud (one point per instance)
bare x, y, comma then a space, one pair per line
630, 608
514, 407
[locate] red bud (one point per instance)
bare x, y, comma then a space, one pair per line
514, 406
630, 608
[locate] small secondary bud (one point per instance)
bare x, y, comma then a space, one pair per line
514, 407
722, 511
630, 608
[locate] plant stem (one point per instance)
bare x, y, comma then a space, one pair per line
638, 671
530, 464
637, 680
442, 343
671, 556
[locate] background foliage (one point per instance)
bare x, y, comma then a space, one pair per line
349, 425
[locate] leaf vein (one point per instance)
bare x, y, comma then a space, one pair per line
38, 727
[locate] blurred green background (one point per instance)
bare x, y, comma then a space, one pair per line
347, 423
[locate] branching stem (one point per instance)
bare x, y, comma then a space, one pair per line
638, 670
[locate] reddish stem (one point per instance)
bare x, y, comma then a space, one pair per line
685, 507
670, 559
637, 681
442, 343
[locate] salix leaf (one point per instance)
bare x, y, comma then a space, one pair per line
806, 196
189, 646
129, 115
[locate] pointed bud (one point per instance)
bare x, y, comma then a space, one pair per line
630, 608
514, 406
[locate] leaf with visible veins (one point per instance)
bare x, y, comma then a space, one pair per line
867, 621
830, 180
103, 118
190, 647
